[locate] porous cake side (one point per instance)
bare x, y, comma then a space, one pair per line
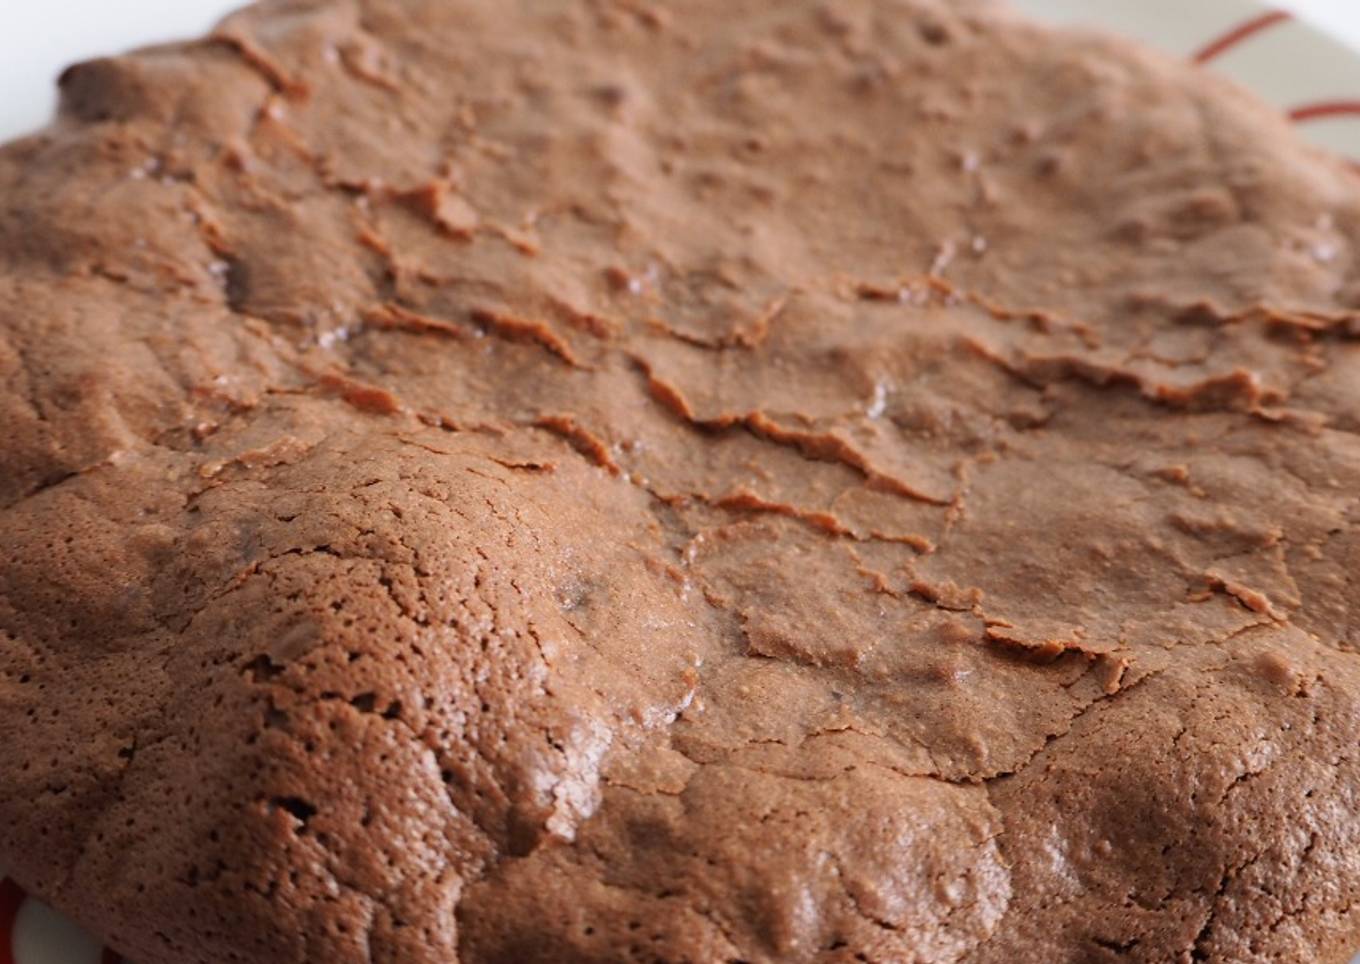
498, 480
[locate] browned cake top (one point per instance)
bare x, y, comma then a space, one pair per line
509, 480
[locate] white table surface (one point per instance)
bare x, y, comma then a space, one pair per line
38, 40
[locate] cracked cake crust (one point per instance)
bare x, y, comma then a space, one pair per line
505, 481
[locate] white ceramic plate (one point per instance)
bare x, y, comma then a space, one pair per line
1310, 76
1307, 74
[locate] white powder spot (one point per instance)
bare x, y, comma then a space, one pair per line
943, 258
1324, 252
879, 403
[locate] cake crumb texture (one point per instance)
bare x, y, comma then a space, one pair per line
508, 481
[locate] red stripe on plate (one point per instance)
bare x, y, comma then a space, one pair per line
11, 899
1238, 34
1326, 108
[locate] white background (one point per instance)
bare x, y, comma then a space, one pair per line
38, 39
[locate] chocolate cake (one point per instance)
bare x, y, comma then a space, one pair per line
607, 480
